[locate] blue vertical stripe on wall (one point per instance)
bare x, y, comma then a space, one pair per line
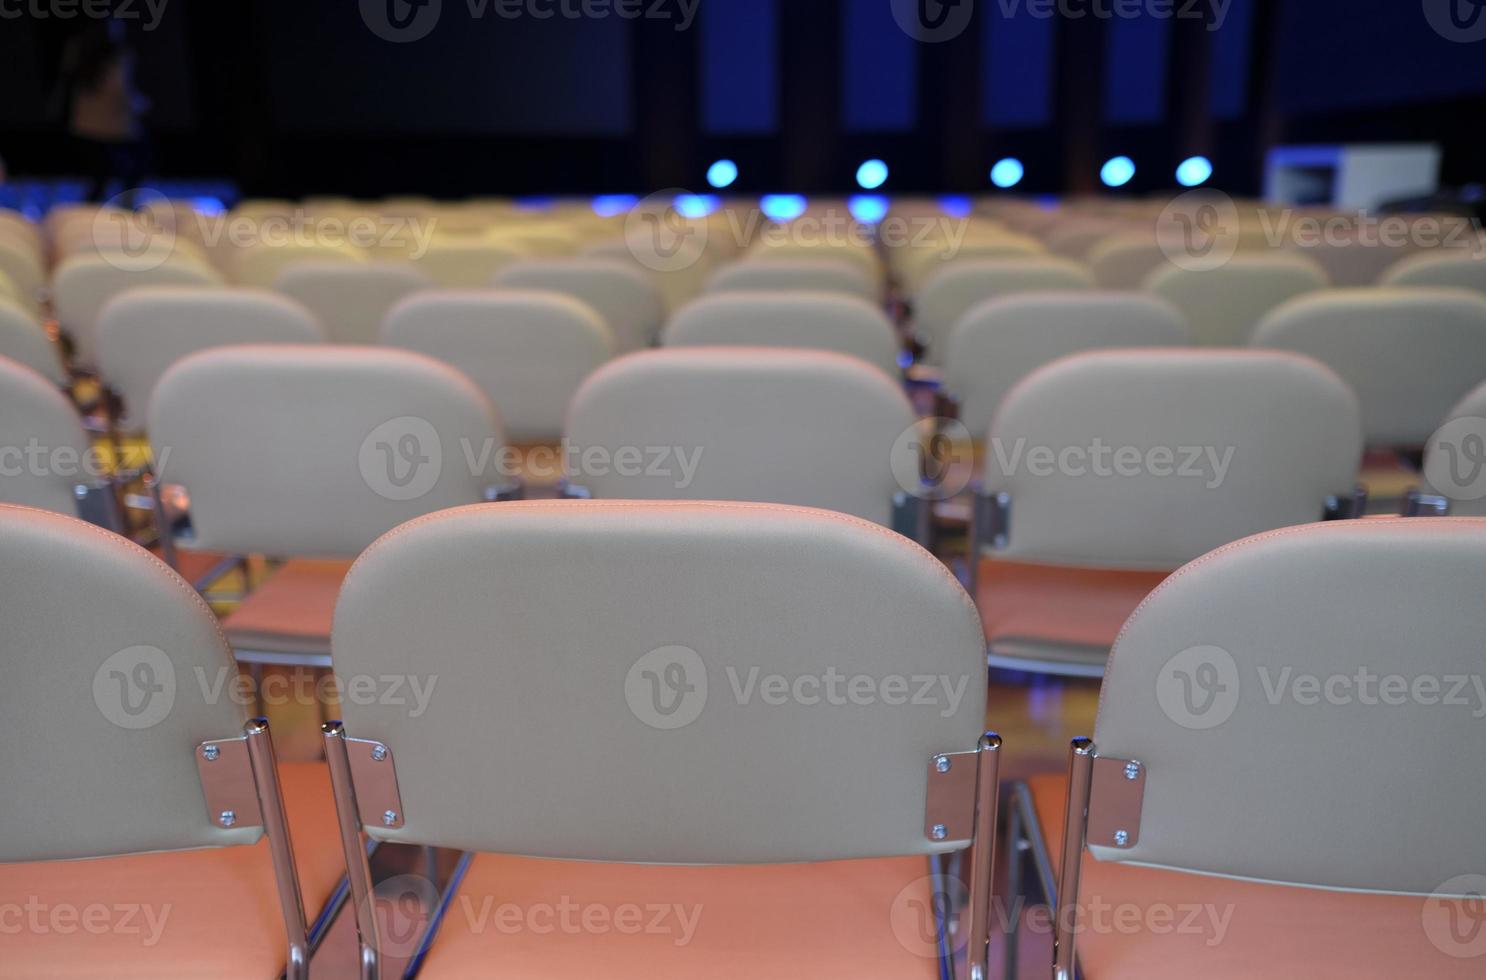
1135, 67
1229, 84
1016, 67
879, 70
740, 66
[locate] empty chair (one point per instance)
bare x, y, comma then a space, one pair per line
1224, 304
1003, 340
259, 264
1455, 459
21, 264
1076, 237
311, 452
541, 240
149, 832
622, 294
788, 275
46, 458
811, 428
950, 293
780, 243
1410, 354
528, 350
1355, 258
1216, 780
1106, 470
464, 262
815, 321
142, 332
1459, 269
610, 635
23, 339
351, 299
1126, 260
915, 264
83, 285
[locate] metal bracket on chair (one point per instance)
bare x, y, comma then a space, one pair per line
1418, 504
568, 490
98, 504
949, 803
503, 492
227, 783
1347, 508
1116, 799
992, 519
375, 776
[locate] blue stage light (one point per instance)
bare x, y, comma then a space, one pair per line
1117, 172
696, 205
782, 207
1008, 173
872, 175
956, 205
1194, 171
608, 205
869, 209
722, 174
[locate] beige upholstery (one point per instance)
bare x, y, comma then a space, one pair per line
1290, 788
24, 340
1224, 304
1450, 268
260, 264
1147, 458
350, 299
1453, 455
1354, 259
542, 240
144, 331
776, 275
8, 290
621, 293
465, 262
916, 264
811, 428
1410, 354
783, 244
951, 293
83, 284
1125, 261
578, 600
1001, 341
528, 350
1074, 238
811, 320
315, 450
22, 266
117, 772
44, 450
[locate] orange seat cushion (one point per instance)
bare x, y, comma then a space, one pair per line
1078, 607
184, 915
1179, 926
525, 919
291, 610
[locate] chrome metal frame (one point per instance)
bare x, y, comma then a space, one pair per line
353, 849
98, 503
964, 806
1075, 826
1418, 504
1346, 508
983, 857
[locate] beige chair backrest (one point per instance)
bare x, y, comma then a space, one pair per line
351, 299
1455, 457
106, 646
1126, 260
44, 451
83, 285
528, 350
8, 290
1003, 340
1410, 354
1249, 773
316, 450
916, 263
1224, 304
590, 609
622, 294
259, 264
142, 332
22, 265
1452, 268
1076, 237
1353, 259
788, 275
23, 339
952, 291
1147, 459
465, 263
810, 320
15, 225
811, 428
